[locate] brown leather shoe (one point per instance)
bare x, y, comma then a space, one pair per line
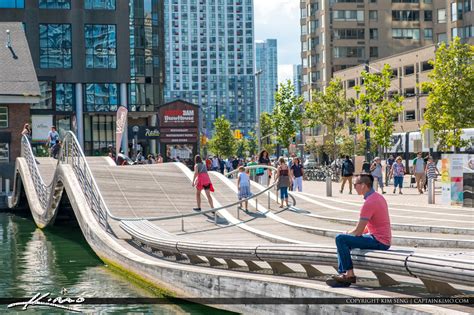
344, 279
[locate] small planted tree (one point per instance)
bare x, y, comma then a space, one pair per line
329, 108
287, 113
376, 105
267, 132
223, 142
451, 94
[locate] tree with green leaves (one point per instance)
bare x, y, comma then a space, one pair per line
267, 132
223, 142
451, 94
242, 146
287, 113
383, 108
329, 108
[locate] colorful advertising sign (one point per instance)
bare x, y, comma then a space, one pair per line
121, 123
452, 168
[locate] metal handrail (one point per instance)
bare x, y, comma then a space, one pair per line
40, 187
273, 185
71, 153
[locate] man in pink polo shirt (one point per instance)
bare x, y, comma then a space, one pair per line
372, 232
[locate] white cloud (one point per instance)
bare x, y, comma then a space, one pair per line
285, 72
279, 19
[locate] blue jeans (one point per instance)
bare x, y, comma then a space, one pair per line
346, 242
283, 193
398, 181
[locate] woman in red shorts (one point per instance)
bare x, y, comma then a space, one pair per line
201, 181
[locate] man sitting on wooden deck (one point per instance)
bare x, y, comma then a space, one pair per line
372, 232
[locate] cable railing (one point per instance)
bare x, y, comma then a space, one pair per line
71, 154
42, 190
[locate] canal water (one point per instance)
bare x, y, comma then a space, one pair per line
59, 260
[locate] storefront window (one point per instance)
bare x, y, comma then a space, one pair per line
63, 125
12, 4
101, 97
99, 133
3, 117
64, 97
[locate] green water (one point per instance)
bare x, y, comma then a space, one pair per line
40, 261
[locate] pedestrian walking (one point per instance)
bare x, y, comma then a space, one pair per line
419, 170
297, 173
53, 135
55, 149
398, 172
262, 173
376, 171
374, 218
347, 171
243, 184
431, 170
283, 180
26, 131
201, 181
388, 167
215, 164
252, 171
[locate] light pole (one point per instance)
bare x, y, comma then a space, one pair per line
367, 123
257, 77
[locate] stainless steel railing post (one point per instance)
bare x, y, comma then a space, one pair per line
182, 224
431, 191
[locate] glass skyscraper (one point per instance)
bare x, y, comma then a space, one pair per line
266, 60
210, 59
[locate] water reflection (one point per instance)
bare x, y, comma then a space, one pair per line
40, 261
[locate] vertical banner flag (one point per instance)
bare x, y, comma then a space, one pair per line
121, 122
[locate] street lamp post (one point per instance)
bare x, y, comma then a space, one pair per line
259, 141
367, 123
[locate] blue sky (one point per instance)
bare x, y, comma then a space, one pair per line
280, 19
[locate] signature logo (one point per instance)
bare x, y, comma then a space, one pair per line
44, 300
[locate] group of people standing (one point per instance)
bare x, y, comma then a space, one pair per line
53, 143
423, 170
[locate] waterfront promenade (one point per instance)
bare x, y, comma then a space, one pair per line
203, 256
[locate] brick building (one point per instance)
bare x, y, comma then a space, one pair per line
18, 90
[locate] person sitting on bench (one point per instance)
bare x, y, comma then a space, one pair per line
372, 231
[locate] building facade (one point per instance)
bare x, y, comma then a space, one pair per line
266, 60
210, 59
92, 56
338, 34
297, 79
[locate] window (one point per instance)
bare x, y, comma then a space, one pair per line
101, 46
373, 15
99, 4
406, 33
348, 15
46, 99
406, 15
350, 52
456, 11
374, 33
349, 33
12, 4
55, 4
55, 46
101, 97
64, 97
4, 152
409, 92
405, 1
394, 73
374, 51
3, 117
441, 15
428, 33
442, 37
410, 115
409, 70
428, 15
351, 83
426, 66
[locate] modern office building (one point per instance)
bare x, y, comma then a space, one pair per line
266, 60
297, 79
92, 56
339, 34
209, 48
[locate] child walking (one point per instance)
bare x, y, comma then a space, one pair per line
243, 184
284, 181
